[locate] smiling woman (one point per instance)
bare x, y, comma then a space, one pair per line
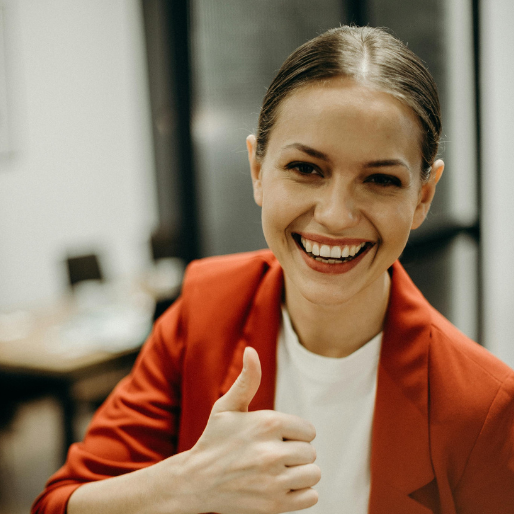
348, 373
342, 168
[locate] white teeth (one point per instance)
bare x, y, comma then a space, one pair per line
330, 254
335, 252
324, 251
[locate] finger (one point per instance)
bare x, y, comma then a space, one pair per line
239, 396
296, 428
301, 499
301, 477
298, 453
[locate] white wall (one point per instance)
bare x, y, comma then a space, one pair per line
460, 160
497, 56
80, 173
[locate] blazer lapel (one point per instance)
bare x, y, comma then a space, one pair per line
400, 456
261, 331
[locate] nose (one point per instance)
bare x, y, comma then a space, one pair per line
337, 207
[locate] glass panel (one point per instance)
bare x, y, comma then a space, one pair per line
237, 49
448, 278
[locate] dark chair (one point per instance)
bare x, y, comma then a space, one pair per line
164, 243
83, 267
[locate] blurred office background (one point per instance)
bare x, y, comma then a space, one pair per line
125, 119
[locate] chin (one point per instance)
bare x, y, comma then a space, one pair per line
321, 294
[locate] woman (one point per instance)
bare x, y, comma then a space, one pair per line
373, 391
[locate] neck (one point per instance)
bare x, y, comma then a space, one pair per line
339, 330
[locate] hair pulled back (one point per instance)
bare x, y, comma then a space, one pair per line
371, 56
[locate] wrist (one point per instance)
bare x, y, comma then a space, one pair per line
175, 484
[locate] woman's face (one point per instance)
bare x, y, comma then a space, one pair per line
340, 187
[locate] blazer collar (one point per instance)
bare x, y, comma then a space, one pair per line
400, 452
261, 331
400, 455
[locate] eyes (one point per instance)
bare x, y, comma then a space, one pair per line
305, 169
385, 180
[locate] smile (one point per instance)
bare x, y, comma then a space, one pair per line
333, 254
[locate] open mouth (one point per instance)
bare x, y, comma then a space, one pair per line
331, 254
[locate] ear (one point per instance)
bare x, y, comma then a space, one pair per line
427, 193
255, 168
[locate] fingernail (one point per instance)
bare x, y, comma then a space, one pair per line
245, 359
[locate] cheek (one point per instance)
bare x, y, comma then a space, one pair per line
394, 221
276, 212
281, 207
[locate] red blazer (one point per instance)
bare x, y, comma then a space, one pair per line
443, 431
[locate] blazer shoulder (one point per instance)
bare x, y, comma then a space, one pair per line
465, 380
232, 268
467, 386
450, 346
223, 289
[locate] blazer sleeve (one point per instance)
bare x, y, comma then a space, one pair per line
487, 484
136, 427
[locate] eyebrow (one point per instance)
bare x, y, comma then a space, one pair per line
309, 151
385, 163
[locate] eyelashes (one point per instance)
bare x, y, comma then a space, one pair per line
304, 168
384, 180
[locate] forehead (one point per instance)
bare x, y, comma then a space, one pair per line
341, 115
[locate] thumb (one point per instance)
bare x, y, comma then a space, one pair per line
239, 396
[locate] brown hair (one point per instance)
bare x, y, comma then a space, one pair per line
371, 56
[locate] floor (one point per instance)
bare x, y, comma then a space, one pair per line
30, 453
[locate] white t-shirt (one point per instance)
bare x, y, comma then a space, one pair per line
337, 396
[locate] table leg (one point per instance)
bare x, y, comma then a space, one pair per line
68, 419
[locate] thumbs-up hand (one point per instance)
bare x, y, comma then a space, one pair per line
252, 462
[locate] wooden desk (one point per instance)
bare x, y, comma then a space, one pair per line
73, 349
36, 361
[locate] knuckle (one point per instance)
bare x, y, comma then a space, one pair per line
307, 453
217, 408
270, 421
268, 456
221, 417
283, 481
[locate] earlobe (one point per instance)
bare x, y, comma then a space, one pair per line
426, 194
255, 169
